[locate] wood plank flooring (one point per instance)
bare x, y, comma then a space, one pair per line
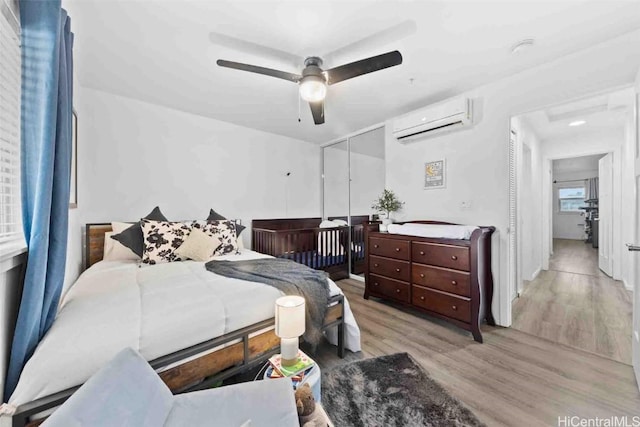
577, 304
513, 379
575, 256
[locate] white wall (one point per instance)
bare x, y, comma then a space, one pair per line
477, 159
134, 156
529, 158
594, 143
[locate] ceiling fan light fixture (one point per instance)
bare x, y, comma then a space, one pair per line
313, 88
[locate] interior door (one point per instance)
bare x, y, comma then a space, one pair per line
634, 247
605, 211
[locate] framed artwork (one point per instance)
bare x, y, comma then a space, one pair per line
73, 193
435, 174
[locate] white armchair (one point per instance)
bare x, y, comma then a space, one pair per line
127, 392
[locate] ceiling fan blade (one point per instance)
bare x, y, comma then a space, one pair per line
374, 41
259, 70
364, 66
317, 110
255, 48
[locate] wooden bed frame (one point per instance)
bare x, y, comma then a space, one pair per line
299, 238
198, 367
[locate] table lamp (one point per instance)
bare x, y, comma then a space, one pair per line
290, 318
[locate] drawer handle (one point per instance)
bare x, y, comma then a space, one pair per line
421, 252
397, 270
397, 249
453, 257
375, 265
422, 275
397, 291
422, 298
453, 282
455, 307
375, 284
376, 246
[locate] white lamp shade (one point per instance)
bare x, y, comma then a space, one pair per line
290, 316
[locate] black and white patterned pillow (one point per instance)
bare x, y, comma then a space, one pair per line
161, 239
225, 231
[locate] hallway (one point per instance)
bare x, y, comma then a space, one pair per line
574, 303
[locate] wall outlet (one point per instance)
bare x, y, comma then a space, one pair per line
465, 204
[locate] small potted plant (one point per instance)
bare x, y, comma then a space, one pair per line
387, 203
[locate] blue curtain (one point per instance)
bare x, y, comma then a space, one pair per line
47, 96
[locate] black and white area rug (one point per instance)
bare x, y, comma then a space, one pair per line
389, 391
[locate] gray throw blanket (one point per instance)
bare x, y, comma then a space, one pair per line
289, 277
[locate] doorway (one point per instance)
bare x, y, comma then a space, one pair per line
570, 175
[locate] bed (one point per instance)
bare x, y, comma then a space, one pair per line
303, 240
194, 327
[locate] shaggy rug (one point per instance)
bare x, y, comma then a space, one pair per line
389, 391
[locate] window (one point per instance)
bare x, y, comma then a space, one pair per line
571, 199
10, 76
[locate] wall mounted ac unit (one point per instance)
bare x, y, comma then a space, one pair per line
443, 117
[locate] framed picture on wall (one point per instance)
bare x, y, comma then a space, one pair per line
73, 193
435, 174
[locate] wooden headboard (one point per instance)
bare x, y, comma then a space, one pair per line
94, 244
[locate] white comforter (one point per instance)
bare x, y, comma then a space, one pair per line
154, 309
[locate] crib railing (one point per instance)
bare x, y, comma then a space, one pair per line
357, 249
319, 248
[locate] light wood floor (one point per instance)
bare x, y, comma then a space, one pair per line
513, 379
574, 303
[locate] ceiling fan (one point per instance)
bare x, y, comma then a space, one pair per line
314, 80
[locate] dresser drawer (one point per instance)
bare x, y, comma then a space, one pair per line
456, 257
391, 248
389, 288
451, 306
393, 268
444, 279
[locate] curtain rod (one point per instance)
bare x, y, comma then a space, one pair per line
571, 180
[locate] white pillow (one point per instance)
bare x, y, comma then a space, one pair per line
198, 246
114, 250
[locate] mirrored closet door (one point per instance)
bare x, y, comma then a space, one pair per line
353, 177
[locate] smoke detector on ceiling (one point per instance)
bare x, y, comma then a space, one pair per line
522, 45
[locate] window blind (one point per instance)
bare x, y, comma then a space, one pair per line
10, 87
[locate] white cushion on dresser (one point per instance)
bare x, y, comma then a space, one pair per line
437, 231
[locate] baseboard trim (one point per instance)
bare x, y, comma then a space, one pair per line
626, 285
535, 274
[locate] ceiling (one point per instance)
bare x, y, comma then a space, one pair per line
160, 52
603, 114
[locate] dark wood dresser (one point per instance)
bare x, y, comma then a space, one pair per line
449, 279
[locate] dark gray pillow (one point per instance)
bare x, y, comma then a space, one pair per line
215, 216
132, 237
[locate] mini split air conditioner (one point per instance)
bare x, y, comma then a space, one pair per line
443, 117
